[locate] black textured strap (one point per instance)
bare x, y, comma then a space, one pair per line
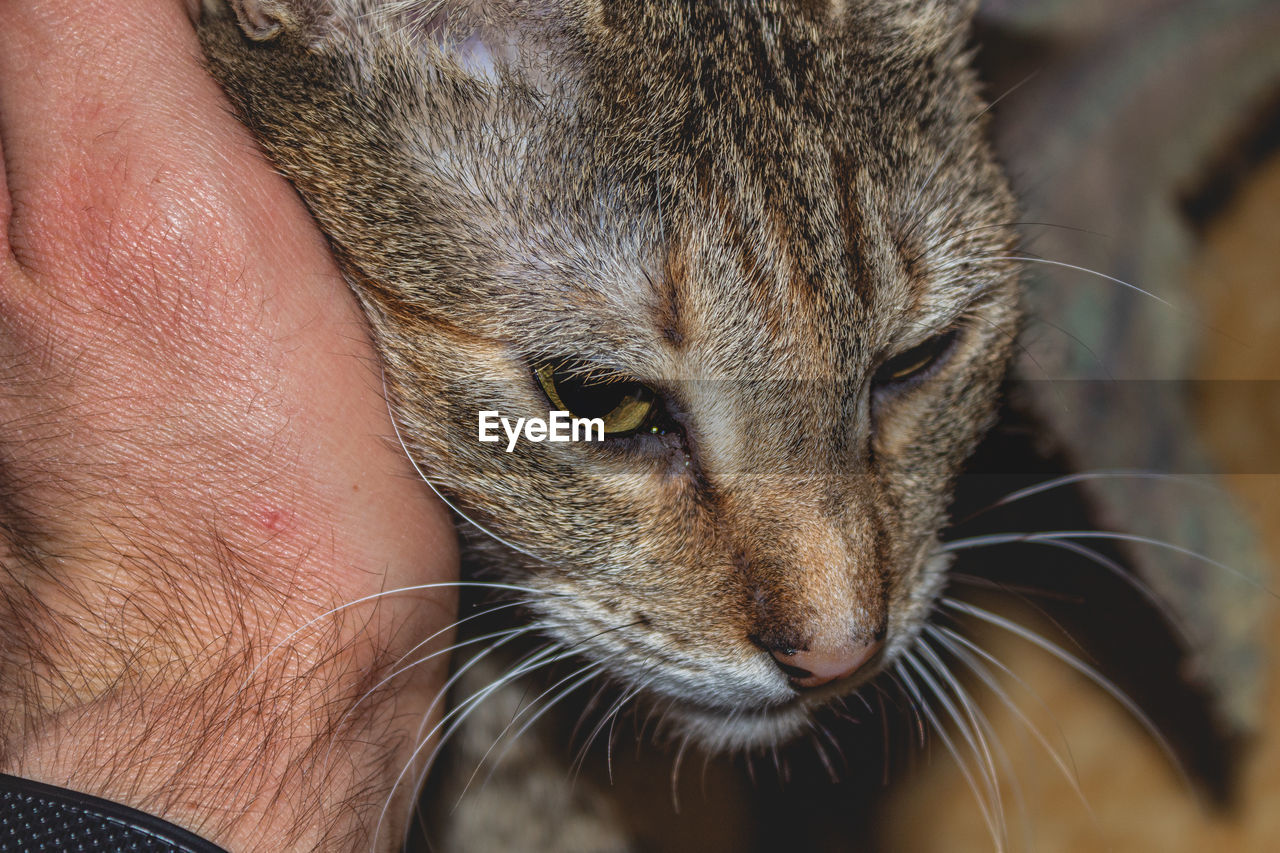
39, 818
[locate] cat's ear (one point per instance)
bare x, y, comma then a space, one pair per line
478, 37
263, 20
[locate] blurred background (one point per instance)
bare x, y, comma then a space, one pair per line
1144, 140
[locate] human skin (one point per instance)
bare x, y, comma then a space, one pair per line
196, 461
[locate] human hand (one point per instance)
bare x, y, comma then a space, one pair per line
194, 461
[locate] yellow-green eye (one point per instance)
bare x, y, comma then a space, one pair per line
623, 404
917, 361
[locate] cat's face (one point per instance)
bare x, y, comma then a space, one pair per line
779, 232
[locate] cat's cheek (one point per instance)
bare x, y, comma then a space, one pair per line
916, 600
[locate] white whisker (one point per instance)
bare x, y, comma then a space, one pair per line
972, 733
1052, 535
503, 635
956, 262
946, 156
675, 773
462, 670
962, 647
505, 606
373, 597
1106, 474
915, 712
1079, 666
961, 764
608, 718
546, 656
1164, 608
982, 726
588, 672
477, 525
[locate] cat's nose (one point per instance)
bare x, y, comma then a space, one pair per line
822, 664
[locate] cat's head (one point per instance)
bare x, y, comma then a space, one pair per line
765, 242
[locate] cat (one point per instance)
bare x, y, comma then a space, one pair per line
765, 243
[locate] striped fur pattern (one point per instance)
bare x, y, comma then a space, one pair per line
748, 205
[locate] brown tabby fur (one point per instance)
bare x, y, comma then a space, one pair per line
748, 206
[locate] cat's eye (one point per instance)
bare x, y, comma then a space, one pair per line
625, 405
917, 362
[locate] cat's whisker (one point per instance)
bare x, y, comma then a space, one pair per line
450, 627
1135, 582
971, 729
472, 702
583, 675
965, 650
1014, 338
836, 746
546, 656
884, 736
986, 540
985, 733
675, 772
1073, 337
404, 590
660, 726
835, 743
395, 427
1025, 224
962, 765
595, 668
422, 737
609, 717
960, 262
503, 636
1163, 607
820, 750
946, 158
588, 708
911, 705
702, 777
857, 694
1022, 592
1018, 337
462, 670
608, 753
1079, 666
1088, 476
479, 614
462, 621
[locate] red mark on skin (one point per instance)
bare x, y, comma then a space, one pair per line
274, 520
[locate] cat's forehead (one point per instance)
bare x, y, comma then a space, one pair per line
784, 154
796, 182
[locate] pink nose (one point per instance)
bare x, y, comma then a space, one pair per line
820, 665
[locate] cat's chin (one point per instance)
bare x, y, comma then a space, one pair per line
746, 729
